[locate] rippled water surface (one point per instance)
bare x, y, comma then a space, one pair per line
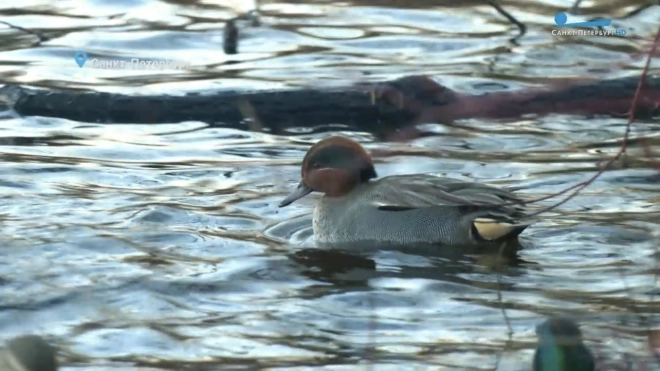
161, 247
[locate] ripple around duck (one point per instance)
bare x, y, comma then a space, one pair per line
162, 246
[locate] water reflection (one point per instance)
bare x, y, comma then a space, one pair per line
190, 259
162, 247
409, 262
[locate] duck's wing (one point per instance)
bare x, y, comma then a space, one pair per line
494, 212
417, 191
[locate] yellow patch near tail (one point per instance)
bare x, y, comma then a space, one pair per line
490, 229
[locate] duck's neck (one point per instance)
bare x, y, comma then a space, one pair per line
355, 190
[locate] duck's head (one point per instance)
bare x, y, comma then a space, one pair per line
560, 347
334, 166
559, 330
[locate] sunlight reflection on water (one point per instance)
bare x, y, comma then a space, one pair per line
162, 245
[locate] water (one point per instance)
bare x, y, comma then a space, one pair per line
161, 247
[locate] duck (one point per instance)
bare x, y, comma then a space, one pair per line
560, 347
28, 353
356, 207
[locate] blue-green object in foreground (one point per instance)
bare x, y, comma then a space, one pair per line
28, 353
560, 347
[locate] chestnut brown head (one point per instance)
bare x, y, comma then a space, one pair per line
334, 166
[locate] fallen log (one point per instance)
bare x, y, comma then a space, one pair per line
277, 109
430, 102
378, 108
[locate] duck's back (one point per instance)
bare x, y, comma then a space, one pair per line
412, 209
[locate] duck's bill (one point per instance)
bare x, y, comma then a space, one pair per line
301, 191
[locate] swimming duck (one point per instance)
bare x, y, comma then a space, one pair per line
400, 209
560, 347
28, 353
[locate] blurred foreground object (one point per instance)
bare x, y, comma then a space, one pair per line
28, 353
560, 347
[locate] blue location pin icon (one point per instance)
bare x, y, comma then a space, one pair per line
80, 57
